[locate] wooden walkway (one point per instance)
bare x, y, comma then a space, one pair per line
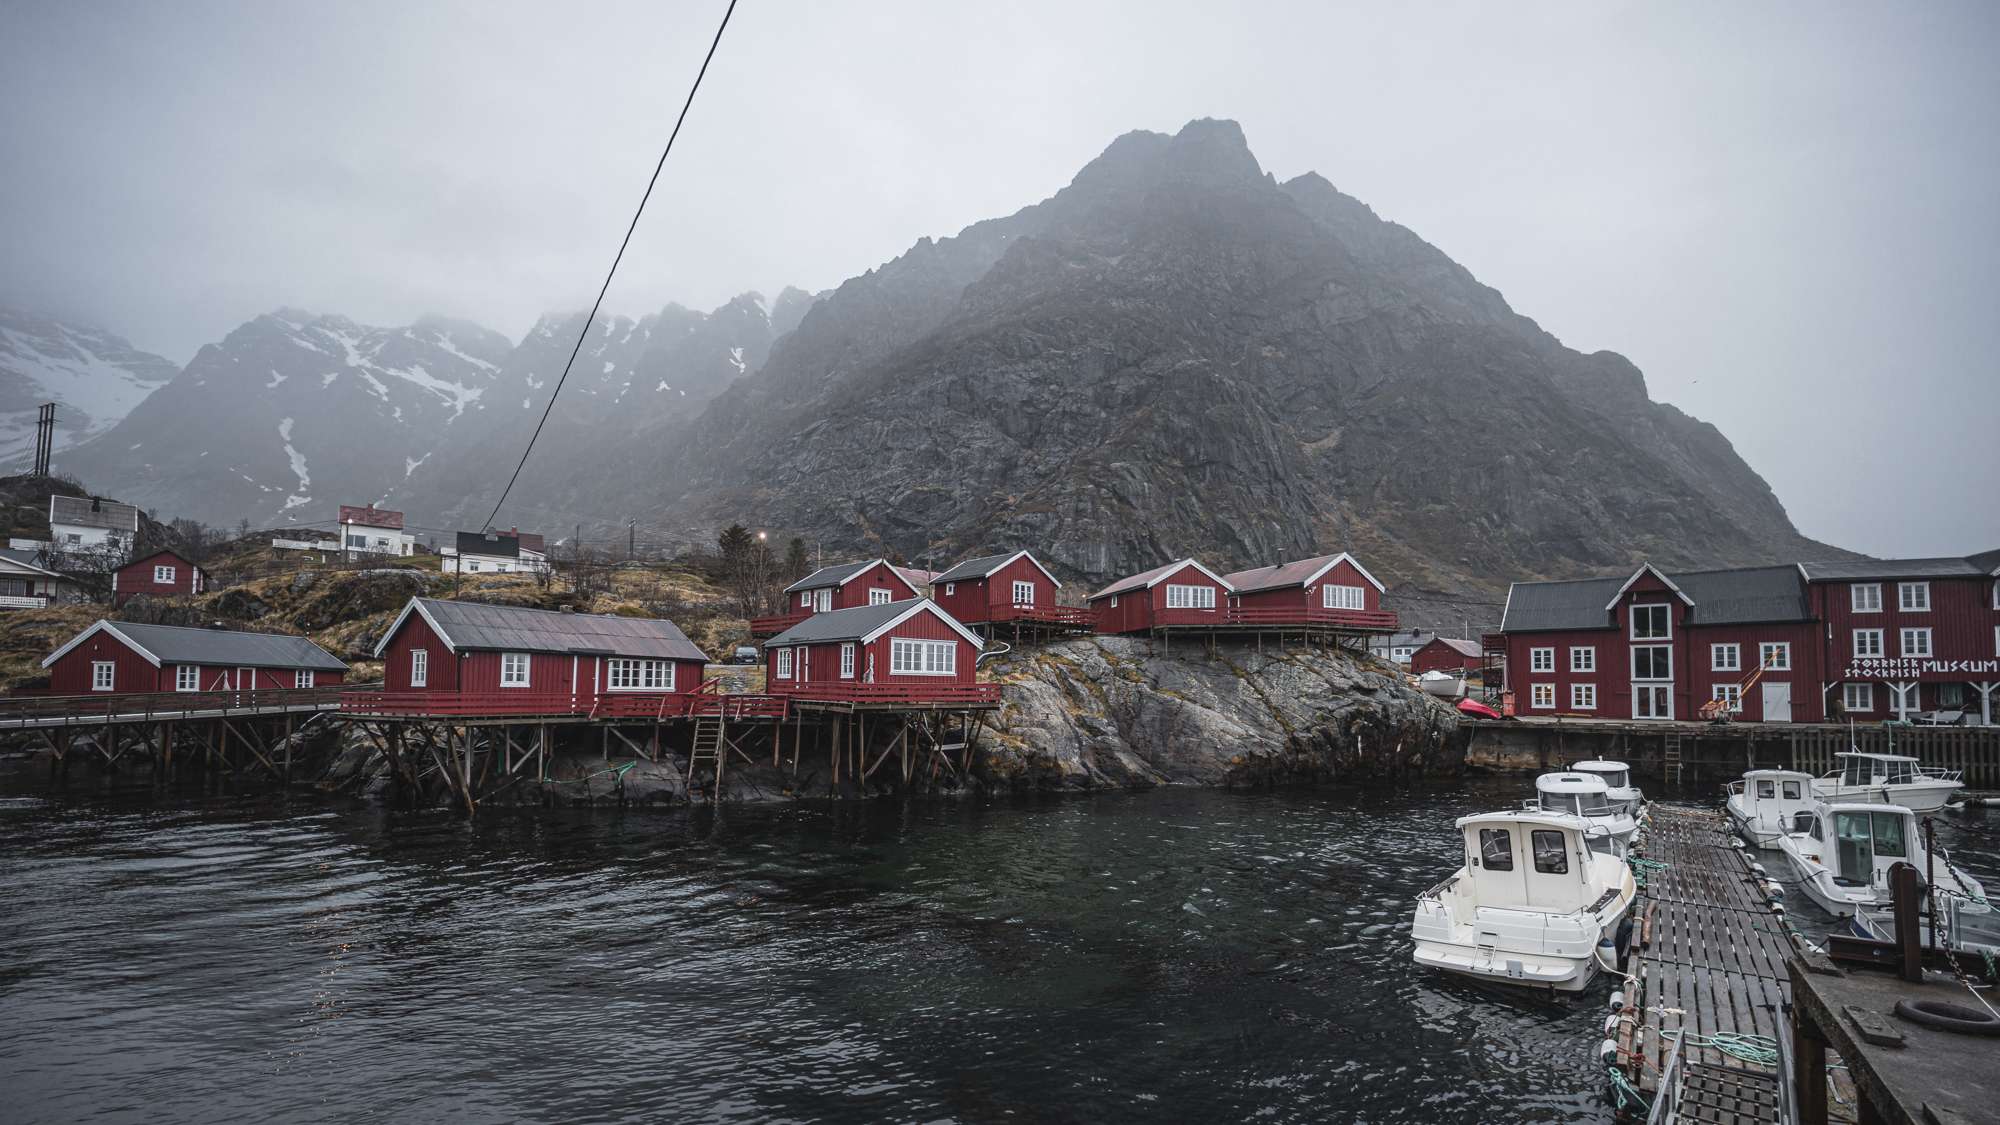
1708, 959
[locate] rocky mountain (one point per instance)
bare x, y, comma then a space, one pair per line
1179, 354
94, 377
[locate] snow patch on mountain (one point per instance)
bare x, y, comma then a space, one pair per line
93, 377
304, 494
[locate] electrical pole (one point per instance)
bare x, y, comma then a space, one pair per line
631, 539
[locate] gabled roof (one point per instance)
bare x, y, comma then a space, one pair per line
1738, 596
477, 627
1981, 565
492, 545
986, 566
1303, 572
1146, 580
1988, 561
1645, 569
841, 574
916, 576
864, 623
371, 516
149, 556
1577, 604
87, 511
1457, 645
174, 644
23, 562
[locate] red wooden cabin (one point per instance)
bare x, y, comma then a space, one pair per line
1179, 593
124, 658
467, 658
1911, 638
995, 589
1329, 591
162, 574
908, 653
1447, 654
842, 586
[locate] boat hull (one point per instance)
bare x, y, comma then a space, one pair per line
1538, 971
1921, 797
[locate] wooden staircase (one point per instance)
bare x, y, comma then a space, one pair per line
708, 749
1670, 757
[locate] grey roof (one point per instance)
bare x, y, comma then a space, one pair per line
835, 575
1578, 604
975, 568
1281, 575
24, 558
176, 644
1458, 645
1850, 569
843, 624
83, 511
1742, 596
1986, 562
1146, 578
512, 628
494, 546
1398, 640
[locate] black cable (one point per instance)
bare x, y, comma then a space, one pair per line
592, 318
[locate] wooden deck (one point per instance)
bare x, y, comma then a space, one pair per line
1709, 958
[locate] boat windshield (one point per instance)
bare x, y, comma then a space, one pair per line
1589, 804
1616, 779
1551, 856
1862, 836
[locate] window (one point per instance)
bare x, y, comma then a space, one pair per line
1775, 656
805, 599
1913, 597
1114, 601
625, 674
1652, 701
187, 677
1583, 697
1792, 790
847, 661
1024, 593
1766, 790
1652, 662
880, 597
1542, 695
1541, 660
1867, 643
1903, 698
163, 575
1857, 697
1551, 857
923, 658
73, 537
1730, 694
1583, 658
1916, 642
513, 669
1342, 597
1190, 597
950, 588
1725, 658
420, 668
302, 678
1865, 597
1496, 849
1652, 622
784, 664
103, 675
471, 564
357, 540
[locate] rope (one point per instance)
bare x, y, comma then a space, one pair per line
1758, 1050
1642, 867
1624, 1094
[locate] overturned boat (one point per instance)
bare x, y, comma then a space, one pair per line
1765, 804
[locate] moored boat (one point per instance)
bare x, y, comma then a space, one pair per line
1618, 785
1842, 853
1891, 779
1586, 795
1765, 803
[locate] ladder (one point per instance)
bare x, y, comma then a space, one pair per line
707, 748
1671, 757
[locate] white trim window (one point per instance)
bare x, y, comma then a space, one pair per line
187, 677
911, 657
1542, 696
847, 661
1903, 698
514, 669
1190, 597
103, 675
1583, 697
302, 678
879, 596
1342, 597
1730, 694
784, 664
1114, 601
163, 576
1916, 642
1775, 656
1653, 621
1867, 644
1865, 597
1913, 597
950, 588
1541, 660
1024, 593
1653, 662
1583, 658
624, 673
805, 599
1725, 658
420, 667
1856, 697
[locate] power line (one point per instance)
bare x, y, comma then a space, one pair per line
584, 332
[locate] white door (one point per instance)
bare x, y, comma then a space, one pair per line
1777, 702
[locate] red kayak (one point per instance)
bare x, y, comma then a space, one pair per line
1480, 710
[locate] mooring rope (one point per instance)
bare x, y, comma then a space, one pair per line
1760, 1050
1625, 1094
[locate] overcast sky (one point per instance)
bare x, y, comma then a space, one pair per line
1785, 214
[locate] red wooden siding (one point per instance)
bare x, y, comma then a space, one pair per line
441, 673
136, 577
984, 599
821, 662
1436, 656
1141, 608
135, 674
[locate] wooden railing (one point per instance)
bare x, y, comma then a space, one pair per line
656, 705
895, 691
772, 625
40, 705
23, 601
1065, 615
1280, 617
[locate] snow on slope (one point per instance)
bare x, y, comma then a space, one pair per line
94, 377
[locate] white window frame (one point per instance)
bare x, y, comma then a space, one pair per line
1734, 657
1865, 597
1905, 698
103, 675
1666, 614
1582, 658
187, 677
420, 667
1542, 697
805, 599
847, 661
1542, 659
1905, 649
880, 596
302, 677
1873, 650
1733, 693
1024, 593
1913, 597
950, 588
784, 664
163, 576
1332, 596
1666, 679
1190, 597
1780, 649
630, 673
1583, 697
516, 675
1114, 601
1851, 690
1647, 689
915, 656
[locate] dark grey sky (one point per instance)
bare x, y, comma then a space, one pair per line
1784, 213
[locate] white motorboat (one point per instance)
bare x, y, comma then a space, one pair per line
1766, 803
1842, 853
1586, 795
1442, 684
1617, 776
1535, 905
1890, 779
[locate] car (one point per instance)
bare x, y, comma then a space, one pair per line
744, 654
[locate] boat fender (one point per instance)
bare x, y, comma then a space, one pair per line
1778, 908
1736, 841
1607, 1053
1611, 1025
1618, 1001
1947, 1016
1757, 867
1775, 891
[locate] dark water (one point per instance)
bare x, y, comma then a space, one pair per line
1176, 956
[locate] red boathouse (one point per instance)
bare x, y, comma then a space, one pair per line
162, 574
1447, 654
843, 586
124, 658
1007, 589
904, 654
1177, 594
1332, 592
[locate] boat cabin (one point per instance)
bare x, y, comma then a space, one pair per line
1536, 861
1766, 804
1586, 795
1859, 843
1617, 781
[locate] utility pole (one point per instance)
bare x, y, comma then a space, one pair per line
45, 433
631, 540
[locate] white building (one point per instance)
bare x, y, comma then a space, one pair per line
81, 523
492, 552
374, 531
